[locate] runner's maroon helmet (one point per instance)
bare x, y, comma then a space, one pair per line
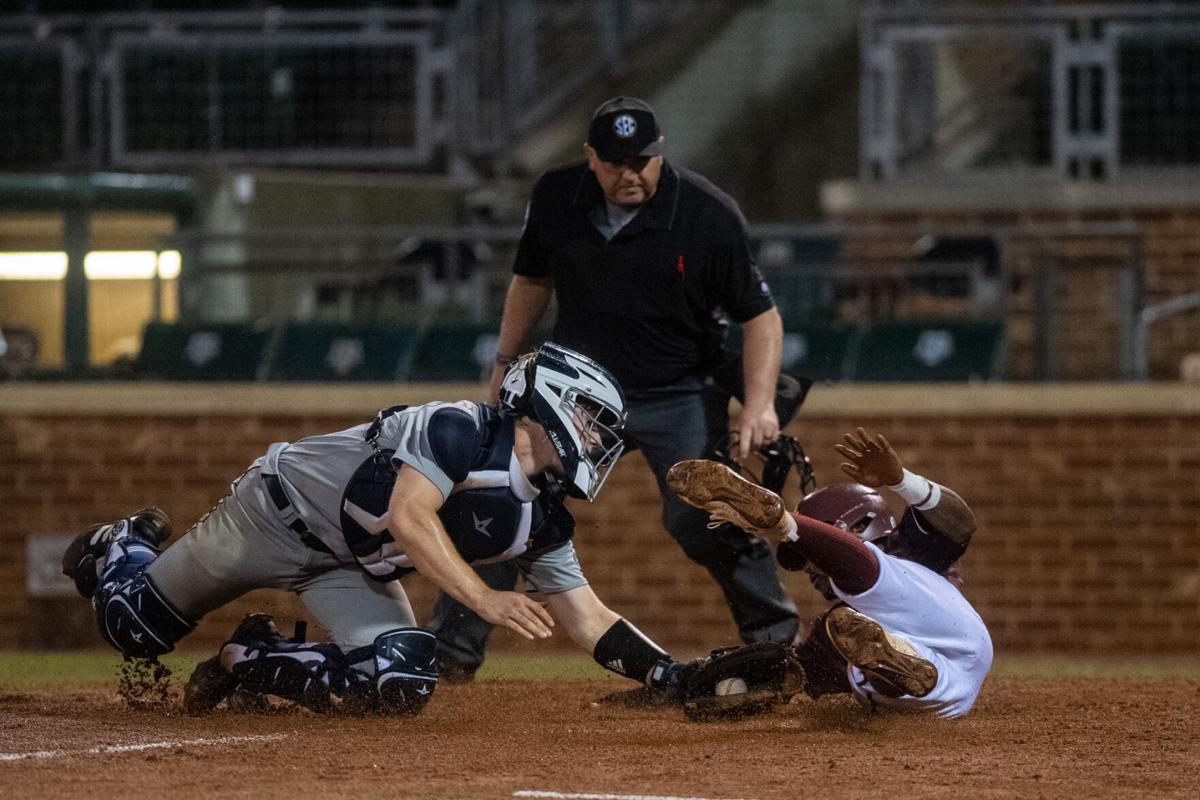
852, 507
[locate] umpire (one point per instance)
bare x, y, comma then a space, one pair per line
644, 258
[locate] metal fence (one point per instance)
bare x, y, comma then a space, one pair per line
412, 88
308, 99
1080, 91
518, 61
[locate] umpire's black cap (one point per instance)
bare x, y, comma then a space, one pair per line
624, 127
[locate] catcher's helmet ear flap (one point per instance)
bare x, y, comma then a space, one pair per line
581, 407
852, 507
515, 388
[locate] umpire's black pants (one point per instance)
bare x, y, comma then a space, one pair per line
667, 426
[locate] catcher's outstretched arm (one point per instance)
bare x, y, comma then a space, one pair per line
612, 640
582, 615
413, 522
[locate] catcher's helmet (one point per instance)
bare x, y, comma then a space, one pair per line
580, 405
852, 507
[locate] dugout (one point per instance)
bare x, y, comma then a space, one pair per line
81, 261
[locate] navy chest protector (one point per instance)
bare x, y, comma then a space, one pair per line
485, 524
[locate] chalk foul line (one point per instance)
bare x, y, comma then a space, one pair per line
135, 748
602, 796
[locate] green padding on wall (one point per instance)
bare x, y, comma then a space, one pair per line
337, 352
821, 352
930, 350
455, 353
221, 352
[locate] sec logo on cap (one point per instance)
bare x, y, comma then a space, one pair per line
624, 126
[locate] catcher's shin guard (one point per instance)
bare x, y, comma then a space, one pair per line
891, 664
88, 554
405, 669
132, 614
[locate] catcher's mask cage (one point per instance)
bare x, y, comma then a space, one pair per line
580, 405
852, 507
779, 457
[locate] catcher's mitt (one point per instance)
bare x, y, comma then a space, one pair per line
740, 681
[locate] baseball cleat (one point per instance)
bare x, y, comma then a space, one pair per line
211, 682
81, 560
208, 686
891, 664
699, 482
256, 628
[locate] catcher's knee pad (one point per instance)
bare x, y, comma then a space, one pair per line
263, 661
405, 669
135, 618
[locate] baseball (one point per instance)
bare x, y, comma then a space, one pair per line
730, 686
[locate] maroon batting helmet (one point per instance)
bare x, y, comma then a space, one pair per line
852, 507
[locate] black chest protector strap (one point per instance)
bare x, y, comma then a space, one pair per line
372, 434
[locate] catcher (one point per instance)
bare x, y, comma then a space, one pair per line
340, 518
902, 636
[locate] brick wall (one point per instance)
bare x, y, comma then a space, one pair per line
1087, 499
1084, 329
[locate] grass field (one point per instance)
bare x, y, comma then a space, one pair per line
24, 670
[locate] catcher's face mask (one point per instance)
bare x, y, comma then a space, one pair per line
579, 404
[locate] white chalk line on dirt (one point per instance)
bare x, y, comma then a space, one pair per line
136, 748
600, 796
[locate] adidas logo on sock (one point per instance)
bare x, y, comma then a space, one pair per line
616, 665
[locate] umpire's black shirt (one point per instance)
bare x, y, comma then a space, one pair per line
645, 303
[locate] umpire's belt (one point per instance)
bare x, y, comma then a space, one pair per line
288, 515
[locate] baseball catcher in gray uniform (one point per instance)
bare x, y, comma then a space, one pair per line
340, 518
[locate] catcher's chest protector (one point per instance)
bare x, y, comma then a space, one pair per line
484, 516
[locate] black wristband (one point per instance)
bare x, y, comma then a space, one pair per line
626, 651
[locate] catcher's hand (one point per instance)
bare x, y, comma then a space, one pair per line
740, 681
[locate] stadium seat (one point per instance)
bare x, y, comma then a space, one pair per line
455, 353
183, 351
930, 350
799, 271
317, 351
820, 352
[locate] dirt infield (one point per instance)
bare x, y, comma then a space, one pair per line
1027, 737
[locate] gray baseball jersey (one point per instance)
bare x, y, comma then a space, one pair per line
339, 485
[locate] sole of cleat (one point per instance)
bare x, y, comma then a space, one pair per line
699, 481
864, 643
